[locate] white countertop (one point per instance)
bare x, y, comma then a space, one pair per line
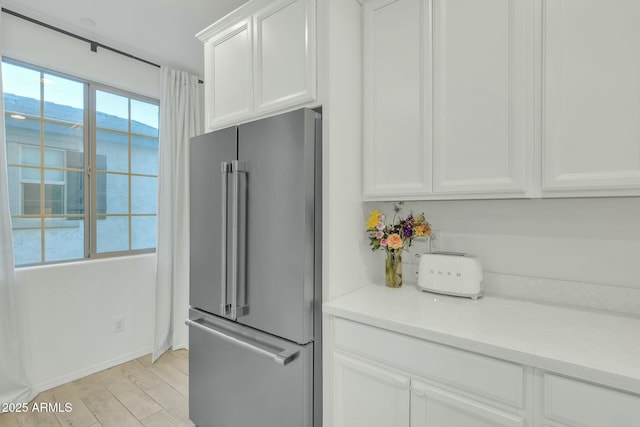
594, 346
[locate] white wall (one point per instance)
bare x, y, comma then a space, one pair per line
581, 251
70, 311
71, 306
586, 240
31, 43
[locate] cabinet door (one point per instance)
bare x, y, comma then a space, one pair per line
285, 54
579, 404
483, 95
397, 93
229, 78
365, 395
591, 95
431, 407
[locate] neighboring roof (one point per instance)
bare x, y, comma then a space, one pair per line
64, 113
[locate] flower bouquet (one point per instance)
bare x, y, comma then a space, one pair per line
394, 238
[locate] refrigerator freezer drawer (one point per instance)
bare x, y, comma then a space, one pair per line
241, 377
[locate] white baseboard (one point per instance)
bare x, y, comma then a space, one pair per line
72, 376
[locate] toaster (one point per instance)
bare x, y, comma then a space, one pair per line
450, 273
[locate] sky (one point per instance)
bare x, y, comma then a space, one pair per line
25, 82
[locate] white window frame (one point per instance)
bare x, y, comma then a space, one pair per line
90, 214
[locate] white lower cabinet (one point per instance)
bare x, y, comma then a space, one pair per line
567, 402
365, 395
382, 378
432, 407
368, 395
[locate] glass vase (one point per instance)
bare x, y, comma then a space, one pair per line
393, 269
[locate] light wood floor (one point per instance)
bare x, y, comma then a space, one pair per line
135, 393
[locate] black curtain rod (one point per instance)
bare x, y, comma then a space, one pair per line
94, 45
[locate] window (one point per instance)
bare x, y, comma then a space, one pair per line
54, 184
83, 167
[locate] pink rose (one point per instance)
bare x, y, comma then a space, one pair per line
379, 235
383, 243
395, 241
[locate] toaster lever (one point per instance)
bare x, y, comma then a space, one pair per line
449, 253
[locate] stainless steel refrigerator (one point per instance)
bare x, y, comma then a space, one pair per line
255, 274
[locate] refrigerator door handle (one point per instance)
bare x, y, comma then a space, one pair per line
234, 240
282, 357
224, 307
237, 167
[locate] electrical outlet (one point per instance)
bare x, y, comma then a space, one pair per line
435, 241
118, 324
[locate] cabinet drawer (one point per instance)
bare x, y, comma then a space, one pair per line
491, 378
577, 403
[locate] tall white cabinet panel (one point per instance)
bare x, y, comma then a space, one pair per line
591, 95
365, 395
285, 54
397, 93
229, 71
483, 87
431, 407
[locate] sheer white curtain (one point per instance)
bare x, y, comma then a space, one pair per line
14, 385
180, 110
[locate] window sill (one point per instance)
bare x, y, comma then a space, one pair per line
34, 223
87, 262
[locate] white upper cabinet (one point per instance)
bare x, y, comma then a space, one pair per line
591, 97
397, 111
501, 98
448, 91
285, 57
483, 90
259, 59
229, 71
